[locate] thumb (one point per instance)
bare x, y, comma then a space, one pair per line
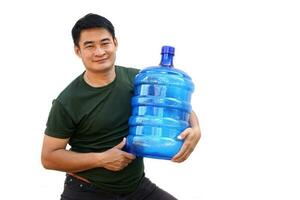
121, 144
184, 134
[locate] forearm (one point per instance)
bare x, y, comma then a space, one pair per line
55, 156
68, 161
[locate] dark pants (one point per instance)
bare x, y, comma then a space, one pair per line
76, 189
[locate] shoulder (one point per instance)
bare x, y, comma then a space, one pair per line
128, 70
128, 73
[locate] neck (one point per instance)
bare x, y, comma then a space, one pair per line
99, 79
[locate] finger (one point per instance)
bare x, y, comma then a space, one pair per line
129, 156
181, 152
185, 155
184, 134
179, 156
121, 144
186, 149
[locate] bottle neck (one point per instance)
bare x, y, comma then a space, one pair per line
166, 60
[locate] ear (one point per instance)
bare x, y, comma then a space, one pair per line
77, 51
116, 42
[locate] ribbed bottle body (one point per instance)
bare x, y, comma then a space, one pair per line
160, 112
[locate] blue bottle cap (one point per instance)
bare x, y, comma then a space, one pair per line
168, 50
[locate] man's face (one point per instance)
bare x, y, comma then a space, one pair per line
97, 49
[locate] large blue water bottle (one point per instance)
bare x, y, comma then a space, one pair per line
160, 109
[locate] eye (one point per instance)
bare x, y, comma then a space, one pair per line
89, 46
105, 42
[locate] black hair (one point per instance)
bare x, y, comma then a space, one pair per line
91, 21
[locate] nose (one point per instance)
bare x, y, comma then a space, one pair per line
99, 51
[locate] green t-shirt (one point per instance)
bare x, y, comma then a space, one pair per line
95, 120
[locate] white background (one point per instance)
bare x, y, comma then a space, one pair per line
243, 57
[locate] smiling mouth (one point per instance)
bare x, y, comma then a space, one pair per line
100, 61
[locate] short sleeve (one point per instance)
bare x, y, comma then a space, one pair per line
59, 124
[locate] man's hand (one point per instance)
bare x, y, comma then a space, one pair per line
191, 137
115, 159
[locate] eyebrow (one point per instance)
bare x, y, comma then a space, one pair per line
91, 42
87, 43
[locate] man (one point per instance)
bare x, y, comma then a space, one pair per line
91, 115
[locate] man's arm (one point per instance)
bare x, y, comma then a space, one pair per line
191, 137
55, 156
